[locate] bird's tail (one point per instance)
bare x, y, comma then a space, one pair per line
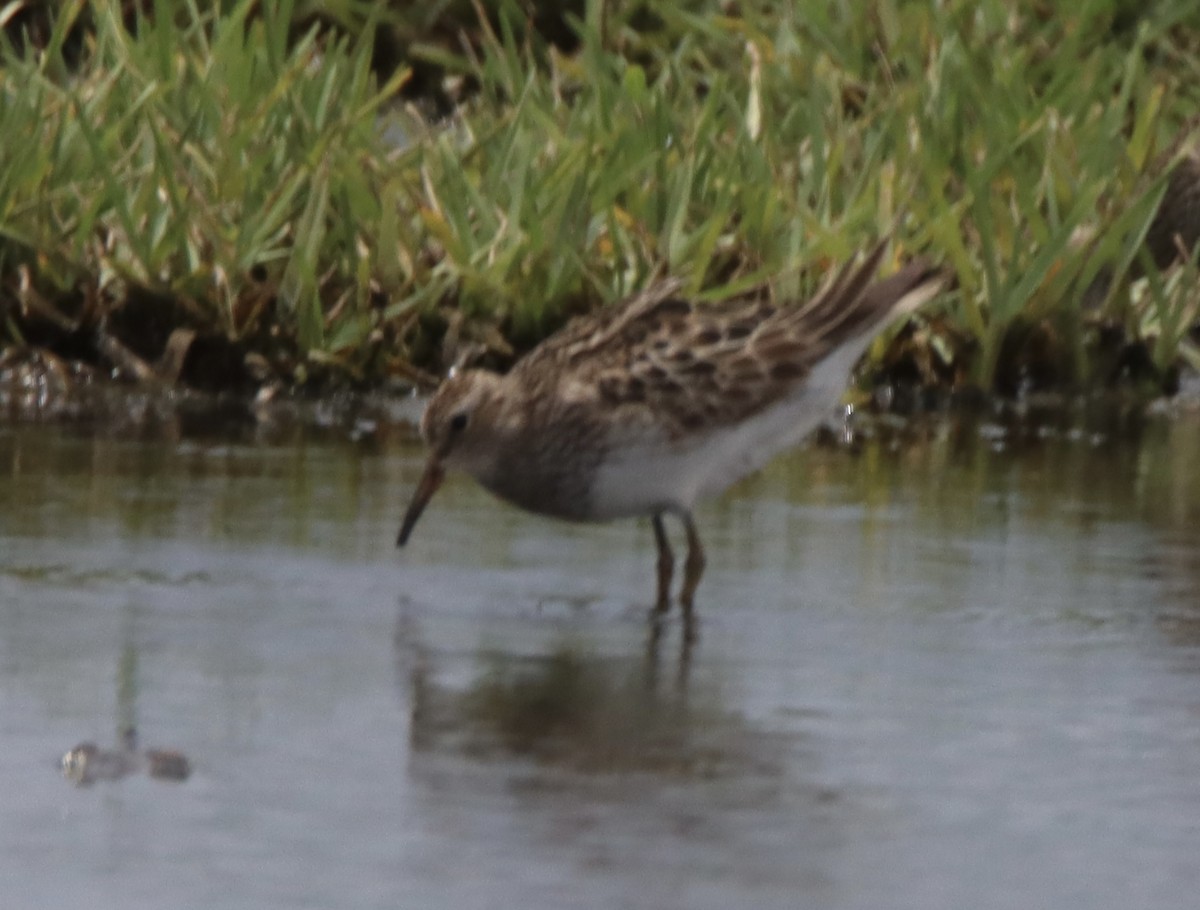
843, 318
854, 302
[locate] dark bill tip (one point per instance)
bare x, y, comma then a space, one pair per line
430, 481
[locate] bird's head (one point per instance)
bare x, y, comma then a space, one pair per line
458, 427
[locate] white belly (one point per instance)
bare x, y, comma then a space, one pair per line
655, 476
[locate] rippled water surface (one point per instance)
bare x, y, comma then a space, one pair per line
958, 668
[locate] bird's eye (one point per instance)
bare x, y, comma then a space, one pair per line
458, 422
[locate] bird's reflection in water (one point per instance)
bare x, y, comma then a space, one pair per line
659, 629
617, 762
575, 706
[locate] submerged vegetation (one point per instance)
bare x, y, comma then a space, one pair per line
244, 193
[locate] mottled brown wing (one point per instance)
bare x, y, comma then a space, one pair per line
683, 365
585, 338
737, 358
695, 365
673, 362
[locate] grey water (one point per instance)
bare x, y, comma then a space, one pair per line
957, 666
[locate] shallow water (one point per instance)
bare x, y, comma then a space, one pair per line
960, 668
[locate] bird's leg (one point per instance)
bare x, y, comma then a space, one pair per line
666, 566
693, 568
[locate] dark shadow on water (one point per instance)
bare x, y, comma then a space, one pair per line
571, 706
625, 766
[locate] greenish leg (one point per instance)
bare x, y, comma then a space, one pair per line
666, 566
693, 568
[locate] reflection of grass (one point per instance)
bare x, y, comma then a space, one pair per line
1102, 456
233, 177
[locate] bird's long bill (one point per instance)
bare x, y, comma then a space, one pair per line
430, 481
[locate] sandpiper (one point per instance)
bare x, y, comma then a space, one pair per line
649, 406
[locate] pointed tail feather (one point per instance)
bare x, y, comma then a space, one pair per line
907, 290
852, 277
855, 302
842, 324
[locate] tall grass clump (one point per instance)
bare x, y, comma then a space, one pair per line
207, 160
261, 180
1041, 167
701, 145
1024, 150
